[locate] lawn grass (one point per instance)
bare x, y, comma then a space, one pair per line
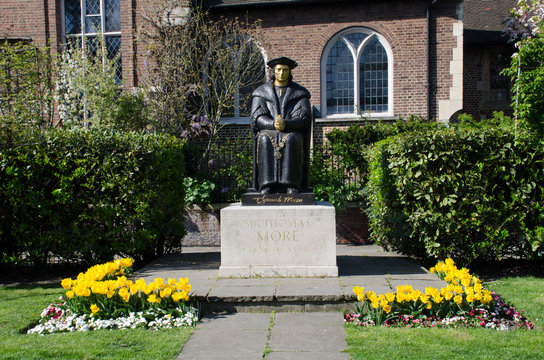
20, 306
525, 293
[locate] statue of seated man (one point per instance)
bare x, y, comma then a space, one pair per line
281, 122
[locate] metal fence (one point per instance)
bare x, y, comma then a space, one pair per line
230, 165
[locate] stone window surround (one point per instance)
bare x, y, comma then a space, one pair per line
355, 116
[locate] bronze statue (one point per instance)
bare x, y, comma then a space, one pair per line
281, 122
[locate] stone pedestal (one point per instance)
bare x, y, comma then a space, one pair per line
283, 241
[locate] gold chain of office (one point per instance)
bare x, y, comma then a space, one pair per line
277, 147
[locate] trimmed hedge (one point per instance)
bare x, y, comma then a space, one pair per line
339, 170
465, 193
347, 144
89, 195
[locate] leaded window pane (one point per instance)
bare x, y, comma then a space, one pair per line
72, 16
373, 78
92, 46
112, 15
356, 38
92, 7
92, 24
340, 87
113, 47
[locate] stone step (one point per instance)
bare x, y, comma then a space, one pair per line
365, 265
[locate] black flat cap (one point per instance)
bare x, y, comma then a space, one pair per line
283, 61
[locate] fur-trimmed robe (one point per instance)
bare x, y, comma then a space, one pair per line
281, 158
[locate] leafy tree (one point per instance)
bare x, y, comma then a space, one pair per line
88, 92
526, 28
26, 89
197, 67
527, 71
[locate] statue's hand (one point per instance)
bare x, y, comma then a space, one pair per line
279, 123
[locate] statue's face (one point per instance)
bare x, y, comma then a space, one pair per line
281, 73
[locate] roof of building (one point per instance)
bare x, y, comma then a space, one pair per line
483, 20
239, 3
486, 15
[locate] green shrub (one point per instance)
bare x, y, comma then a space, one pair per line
464, 192
198, 191
332, 180
347, 144
89, 195
339, 170
527, 72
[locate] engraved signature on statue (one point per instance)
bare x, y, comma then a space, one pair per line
260, 200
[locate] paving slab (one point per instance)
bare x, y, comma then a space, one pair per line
308, 335
309, 289
228, 336
364, 280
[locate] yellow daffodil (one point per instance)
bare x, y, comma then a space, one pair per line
487, 297
437, 298
124, 294
360, 292
134, 289
429, 305
154, 299
159, 283
180, 296
390, 297
66, 283
94, 308
166, 292
424, 298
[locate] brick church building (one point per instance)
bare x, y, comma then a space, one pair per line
359, 59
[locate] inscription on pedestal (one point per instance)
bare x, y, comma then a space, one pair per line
278, 199
277, 235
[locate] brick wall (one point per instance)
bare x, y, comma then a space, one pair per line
302, 32
472, 95
128, 45
34, 19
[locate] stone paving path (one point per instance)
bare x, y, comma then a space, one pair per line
270, 336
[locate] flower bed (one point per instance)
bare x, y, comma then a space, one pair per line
462, 303
103, 298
